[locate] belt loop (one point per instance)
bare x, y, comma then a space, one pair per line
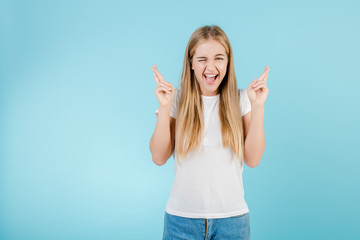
205, 228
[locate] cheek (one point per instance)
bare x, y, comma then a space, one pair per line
198, 69
197, 72
222, 67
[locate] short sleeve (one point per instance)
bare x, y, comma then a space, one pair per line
174, 106
245, 105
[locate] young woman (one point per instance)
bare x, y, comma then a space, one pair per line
211, 127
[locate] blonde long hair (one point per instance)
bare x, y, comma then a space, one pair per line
189, 131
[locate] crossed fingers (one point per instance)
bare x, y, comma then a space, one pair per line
160, 81
261, 82
157, 75
264, 75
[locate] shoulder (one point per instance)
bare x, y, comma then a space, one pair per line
243, 95
242, 92
175, 103
177, 94
244, 102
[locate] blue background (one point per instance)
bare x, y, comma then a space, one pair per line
77, 110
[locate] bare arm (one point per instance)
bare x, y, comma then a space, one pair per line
163, 140
254, 123
254, 136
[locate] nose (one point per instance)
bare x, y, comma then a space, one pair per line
211, 67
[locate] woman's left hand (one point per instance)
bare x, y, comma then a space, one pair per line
257, 90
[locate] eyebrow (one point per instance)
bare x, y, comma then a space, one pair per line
219, 54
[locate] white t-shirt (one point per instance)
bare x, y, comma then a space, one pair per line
208, 184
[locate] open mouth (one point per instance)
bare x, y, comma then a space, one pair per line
210, 79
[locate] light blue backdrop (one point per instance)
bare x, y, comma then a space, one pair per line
77, 113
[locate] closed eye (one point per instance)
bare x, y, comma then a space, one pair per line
216, 59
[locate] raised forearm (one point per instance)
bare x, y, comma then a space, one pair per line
255, 139
160, 143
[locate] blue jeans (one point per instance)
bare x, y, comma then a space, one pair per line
232, 228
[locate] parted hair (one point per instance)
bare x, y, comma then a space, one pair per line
189, 131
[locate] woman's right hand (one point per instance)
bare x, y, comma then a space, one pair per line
164, 91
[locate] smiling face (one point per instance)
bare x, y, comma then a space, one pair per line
209, 64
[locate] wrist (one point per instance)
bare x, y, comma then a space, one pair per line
164, 109
257, 106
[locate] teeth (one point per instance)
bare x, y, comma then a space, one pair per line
210, 78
